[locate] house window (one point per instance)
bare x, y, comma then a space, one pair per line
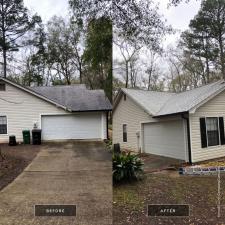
212, 129
3, 125
2, 86
124, 132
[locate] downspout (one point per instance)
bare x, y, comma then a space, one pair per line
107, 125
188, 136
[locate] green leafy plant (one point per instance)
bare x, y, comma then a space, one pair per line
108, 145
126, 167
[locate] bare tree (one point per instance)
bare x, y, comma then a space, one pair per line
129, 54
151, 69
134, 71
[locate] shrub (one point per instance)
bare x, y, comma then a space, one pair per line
108, 145
126, 167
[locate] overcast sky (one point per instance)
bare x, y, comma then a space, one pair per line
48, 8
179, 17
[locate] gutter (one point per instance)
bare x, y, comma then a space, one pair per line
92, 110
107, 125
188, 136
171, 114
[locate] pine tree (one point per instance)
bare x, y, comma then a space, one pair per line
14, 23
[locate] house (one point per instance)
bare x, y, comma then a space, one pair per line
187, 125
62, 112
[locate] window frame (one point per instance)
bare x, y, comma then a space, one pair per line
218, 128
124, 139
6, 124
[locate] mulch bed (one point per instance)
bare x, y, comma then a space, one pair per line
16, 159
213, 162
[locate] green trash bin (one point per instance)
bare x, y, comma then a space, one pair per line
26, 136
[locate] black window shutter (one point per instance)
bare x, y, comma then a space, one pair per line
221, 124
203, 132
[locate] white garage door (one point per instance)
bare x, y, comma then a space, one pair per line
165, 139
76, 126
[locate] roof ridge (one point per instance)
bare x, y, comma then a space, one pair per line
55, 86
133, 89
203, 85
172, 92
210, 84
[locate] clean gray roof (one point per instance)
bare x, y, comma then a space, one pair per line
75, 97
166, 103
151, 101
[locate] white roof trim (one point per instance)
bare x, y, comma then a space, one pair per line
33, 93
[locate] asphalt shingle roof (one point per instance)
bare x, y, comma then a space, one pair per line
75, 97
165, 103
151, 101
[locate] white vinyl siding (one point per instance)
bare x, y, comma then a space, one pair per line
23, 110
127, 112
165, 138
213, 108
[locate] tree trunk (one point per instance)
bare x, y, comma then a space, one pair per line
67, 76
221, 56
207, 70
149, 79
3, 39
81, 75
127, 75
131, 76
68, 81
4, 62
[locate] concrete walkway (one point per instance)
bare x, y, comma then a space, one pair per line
62, 173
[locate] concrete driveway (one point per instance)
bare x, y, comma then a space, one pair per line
62, 173
153, 163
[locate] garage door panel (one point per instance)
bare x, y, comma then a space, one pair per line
71, 127
165, 138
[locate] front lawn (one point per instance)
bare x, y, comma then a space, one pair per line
16, 160
200, 192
